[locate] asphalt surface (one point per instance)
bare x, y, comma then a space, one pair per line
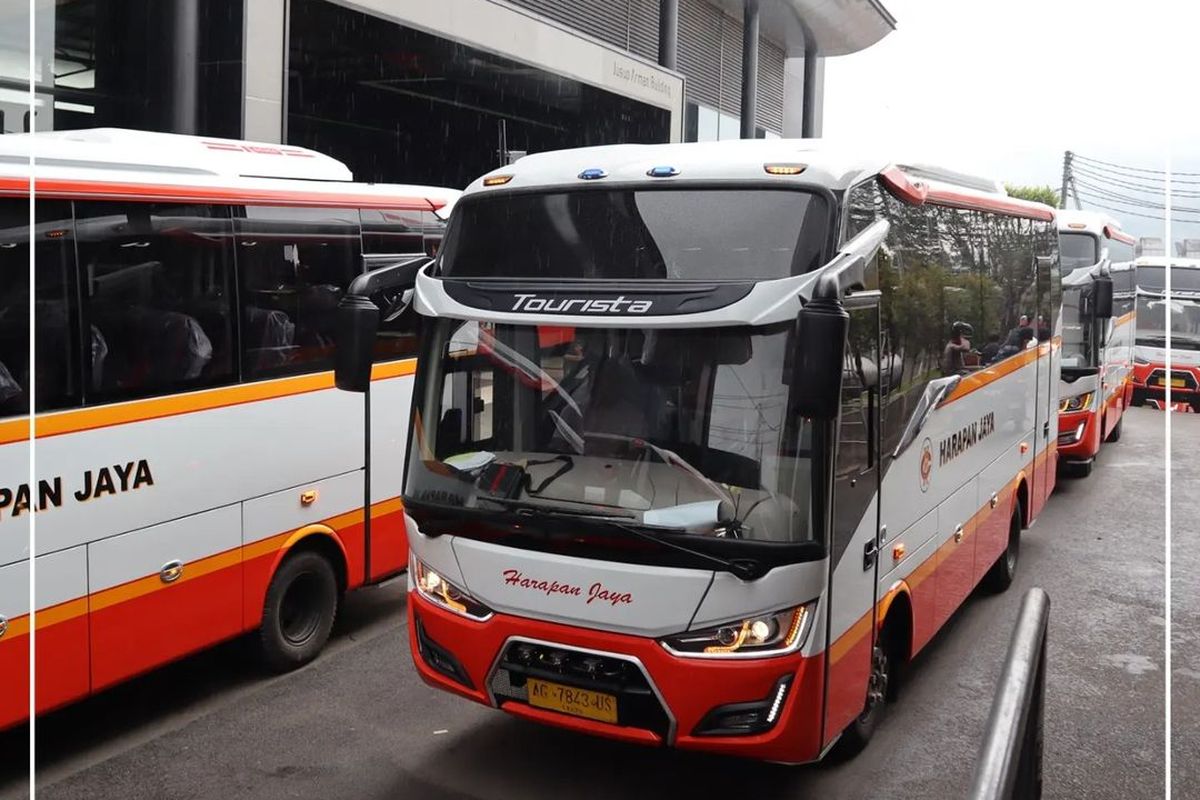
358, 723
1185, 605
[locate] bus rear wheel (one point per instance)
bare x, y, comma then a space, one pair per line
1002, 573
299, 611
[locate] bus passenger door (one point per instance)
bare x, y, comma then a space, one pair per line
1046, 430
855, 521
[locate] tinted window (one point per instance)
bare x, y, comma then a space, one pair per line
698, 234
294, 265
1118, 252
158, 297
1078, 250
392, 232
14, 307
1153, 279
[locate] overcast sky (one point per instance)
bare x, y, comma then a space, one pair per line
1003, 88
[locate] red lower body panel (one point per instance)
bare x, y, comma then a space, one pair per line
14, 667
62, 663
690, 688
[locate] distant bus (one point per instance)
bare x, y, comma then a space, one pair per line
197, 474
1155, 316
1097, 350
660, 487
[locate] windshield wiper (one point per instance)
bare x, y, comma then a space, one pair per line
748, 569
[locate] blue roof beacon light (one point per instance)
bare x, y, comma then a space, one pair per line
593, 174
662, 172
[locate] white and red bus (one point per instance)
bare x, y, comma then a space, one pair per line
1155, 316
707, 439
1098, 325
197, 475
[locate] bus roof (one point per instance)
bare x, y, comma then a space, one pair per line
115, 163
815, 161
1096, 223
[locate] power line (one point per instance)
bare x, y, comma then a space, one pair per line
1095, 201
1136, 169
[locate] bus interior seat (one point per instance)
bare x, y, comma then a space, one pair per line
270, 337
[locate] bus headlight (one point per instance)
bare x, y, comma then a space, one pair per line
1077, 403
441, 592
753, 637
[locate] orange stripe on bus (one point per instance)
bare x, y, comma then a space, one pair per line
148, 584
75, 420
151, 192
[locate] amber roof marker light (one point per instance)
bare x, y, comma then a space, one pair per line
784, 169
497, 180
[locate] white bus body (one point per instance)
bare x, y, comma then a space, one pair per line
190, 446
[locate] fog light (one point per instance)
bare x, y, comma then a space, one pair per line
745, 719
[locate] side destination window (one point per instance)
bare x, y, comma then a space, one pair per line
157, 289
294, 265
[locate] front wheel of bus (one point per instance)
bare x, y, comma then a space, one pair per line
299, 611
1002, 573
1114, 435
885, 659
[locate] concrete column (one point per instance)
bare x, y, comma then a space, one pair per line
183, 87
814, 94
668, 33
749, 68
263, 80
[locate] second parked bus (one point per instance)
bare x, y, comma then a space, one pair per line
1098, 325
198, 476
708, 439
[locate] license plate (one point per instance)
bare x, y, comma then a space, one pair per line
569, 700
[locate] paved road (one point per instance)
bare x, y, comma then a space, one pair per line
359, 724
1185, 604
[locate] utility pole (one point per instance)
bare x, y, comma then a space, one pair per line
1066, 178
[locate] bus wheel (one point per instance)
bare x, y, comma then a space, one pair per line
298, 615
884, 661
1002, 573
1114, 435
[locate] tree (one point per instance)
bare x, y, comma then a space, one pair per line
1038, 194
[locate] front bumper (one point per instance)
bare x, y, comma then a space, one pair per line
685, 689
1078, 435
1149, 381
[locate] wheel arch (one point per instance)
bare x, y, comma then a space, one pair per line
317, 538
896, 618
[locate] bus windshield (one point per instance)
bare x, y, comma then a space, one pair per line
682, 431
1185, 322
699, 234
1077, 250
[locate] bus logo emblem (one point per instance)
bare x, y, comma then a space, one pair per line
926, 464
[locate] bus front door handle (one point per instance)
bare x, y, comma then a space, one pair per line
958, 533
3, 625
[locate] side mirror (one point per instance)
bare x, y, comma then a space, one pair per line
357, 324
358, 320
818, 361
1102, 297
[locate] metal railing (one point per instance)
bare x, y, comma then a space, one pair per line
1010, 762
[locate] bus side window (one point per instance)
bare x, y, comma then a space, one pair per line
294, 265
157, 288
14, 307
389, 236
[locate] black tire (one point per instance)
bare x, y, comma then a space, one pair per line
1002, 573
1114, 435
299, 611
1078, 469
882, 689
